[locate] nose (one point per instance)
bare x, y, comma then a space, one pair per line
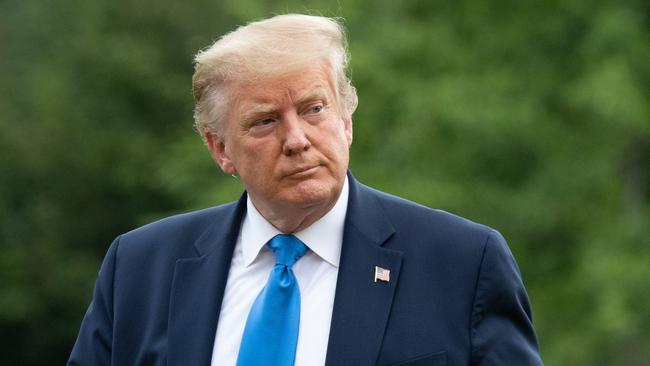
295, 138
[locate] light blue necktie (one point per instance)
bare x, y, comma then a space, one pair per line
271, 332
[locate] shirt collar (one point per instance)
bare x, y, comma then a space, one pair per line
324, 237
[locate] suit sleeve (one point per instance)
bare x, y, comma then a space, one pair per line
502, 331
94, 341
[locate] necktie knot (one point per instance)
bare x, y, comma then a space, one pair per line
287, 248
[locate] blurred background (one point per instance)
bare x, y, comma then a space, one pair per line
532, 117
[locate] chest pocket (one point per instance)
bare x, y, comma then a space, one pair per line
431, 359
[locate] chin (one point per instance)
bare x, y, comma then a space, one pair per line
310, 192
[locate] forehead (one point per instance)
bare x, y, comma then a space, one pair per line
312, 81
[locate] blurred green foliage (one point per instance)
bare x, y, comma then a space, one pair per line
531, 117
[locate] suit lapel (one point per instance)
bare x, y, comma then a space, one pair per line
362, 306
197, 291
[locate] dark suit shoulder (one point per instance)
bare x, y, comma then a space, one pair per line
177, 232
184, 222
409, 216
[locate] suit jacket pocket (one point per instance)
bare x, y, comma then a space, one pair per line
431, 359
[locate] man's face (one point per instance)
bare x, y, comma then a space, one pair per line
287, 139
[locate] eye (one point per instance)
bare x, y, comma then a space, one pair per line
263, 122
316, 109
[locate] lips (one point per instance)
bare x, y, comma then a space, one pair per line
303, 170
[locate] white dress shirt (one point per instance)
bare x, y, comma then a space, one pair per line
316, 273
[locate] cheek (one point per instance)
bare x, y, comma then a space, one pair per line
336, 145
258, 161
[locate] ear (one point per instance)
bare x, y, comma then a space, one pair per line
347, 128
217, 148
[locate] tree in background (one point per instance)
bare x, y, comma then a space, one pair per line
530, 117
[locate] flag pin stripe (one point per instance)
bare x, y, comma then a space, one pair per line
382, 274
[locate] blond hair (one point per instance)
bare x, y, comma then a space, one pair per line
269, 47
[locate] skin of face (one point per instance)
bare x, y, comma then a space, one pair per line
288, 140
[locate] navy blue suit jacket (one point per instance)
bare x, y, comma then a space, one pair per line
455, 295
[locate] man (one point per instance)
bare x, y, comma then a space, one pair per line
309, 267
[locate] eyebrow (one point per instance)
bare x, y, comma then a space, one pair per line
315, 94
258, 110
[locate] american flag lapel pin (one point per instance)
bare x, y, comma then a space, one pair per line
382, 274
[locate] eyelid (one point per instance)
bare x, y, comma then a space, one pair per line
312, 105
259, 122
262, 121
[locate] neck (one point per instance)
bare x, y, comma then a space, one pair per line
296, 222
290, 218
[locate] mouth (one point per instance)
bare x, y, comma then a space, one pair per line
302, 171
